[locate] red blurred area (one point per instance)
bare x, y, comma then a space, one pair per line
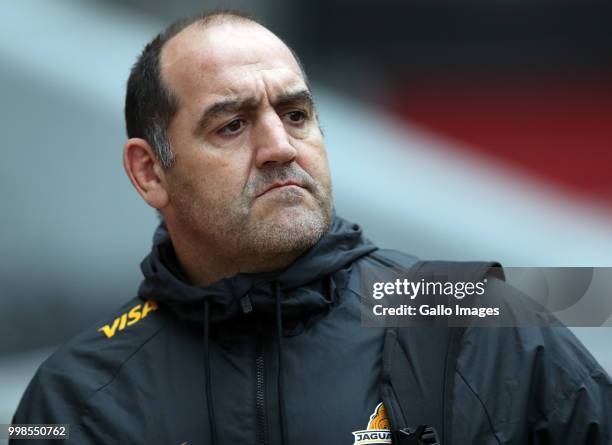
558, 130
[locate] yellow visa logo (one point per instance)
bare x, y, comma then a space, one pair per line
134, 315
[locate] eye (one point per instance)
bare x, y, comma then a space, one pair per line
233, 127
296, 116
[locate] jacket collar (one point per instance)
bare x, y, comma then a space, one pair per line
303, 283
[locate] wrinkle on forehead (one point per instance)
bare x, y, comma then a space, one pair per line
260, 85
222, 53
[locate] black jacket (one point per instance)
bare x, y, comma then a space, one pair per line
282, 358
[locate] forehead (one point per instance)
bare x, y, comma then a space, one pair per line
230, 58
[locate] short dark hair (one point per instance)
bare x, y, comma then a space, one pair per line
150, 105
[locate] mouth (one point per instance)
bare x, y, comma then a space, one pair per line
279, 185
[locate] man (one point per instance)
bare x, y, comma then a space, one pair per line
247, 325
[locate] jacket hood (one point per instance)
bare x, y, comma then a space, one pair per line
300, 283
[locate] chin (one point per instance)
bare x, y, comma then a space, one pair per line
292, 229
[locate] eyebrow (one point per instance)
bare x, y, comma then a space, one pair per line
233, 104
296, 97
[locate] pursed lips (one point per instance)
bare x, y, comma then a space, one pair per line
279, 185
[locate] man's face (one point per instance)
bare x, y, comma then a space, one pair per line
251, 173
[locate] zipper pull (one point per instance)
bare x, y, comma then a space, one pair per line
246, 304
423, 435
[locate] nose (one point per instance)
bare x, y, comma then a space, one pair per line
272, 142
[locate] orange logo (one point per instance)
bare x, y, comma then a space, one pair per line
378, 420
377, 430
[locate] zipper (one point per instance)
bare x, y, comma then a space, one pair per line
260, 389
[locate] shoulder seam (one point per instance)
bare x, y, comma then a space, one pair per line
569, 394
484, 407
83, 409
380, 257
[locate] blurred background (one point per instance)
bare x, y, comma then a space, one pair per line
455, 130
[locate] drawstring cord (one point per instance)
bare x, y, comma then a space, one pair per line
279, 338
209, 399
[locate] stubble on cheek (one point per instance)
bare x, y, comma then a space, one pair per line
211, 214
233, 219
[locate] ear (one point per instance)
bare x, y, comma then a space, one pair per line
145, 172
